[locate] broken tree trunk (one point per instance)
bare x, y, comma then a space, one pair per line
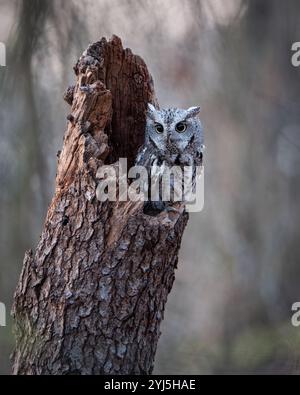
91, 297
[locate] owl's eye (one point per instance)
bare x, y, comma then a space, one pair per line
159, 128
180, 127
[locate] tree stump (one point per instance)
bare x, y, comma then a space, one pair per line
91, 297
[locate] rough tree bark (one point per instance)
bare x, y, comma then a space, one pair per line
91, 297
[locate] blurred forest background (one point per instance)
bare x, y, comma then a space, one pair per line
239, 271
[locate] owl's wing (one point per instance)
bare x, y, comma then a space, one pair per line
157, 170
199, 151
140, 158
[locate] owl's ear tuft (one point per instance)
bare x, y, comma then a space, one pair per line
151, 111
151, 107
192, 112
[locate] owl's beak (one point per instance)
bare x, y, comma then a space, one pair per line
170, 140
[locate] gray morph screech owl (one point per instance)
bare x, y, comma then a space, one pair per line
173, 137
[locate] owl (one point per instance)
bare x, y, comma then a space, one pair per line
173, 137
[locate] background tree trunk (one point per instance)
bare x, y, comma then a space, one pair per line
91, 298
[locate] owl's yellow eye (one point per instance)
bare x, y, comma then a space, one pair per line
159, 128
180, 127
